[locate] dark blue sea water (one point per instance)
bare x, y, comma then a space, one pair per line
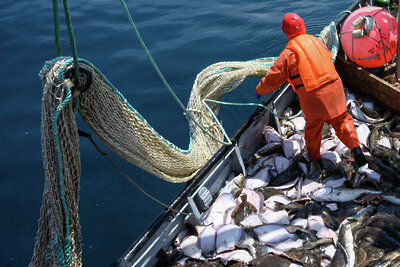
184, 37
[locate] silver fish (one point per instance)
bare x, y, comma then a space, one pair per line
355, 110
342, 194
346, 240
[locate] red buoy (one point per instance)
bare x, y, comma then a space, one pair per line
369, 36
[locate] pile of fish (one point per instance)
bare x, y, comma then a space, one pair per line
287, 211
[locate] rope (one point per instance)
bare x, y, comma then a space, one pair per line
71, 40
56, 27
62, 256
341, 13
249, 104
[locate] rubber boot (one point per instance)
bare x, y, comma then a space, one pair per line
359, 157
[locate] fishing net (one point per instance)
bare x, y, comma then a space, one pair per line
126, 132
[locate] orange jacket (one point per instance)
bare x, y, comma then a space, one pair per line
324, 102
315, 61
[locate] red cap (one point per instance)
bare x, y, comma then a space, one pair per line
292, 23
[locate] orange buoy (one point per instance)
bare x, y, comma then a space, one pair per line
369, 36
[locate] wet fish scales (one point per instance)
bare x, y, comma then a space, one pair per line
307, 257
268, 149
291, 173
379, 237
387, 155
386, 171
272, 261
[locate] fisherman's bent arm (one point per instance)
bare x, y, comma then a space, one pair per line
278, 73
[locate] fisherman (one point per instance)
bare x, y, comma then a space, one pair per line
307, 64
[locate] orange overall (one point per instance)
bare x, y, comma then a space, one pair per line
307, 64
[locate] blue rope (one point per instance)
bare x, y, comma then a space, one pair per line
63, 254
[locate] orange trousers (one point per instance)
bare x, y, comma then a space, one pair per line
344, 129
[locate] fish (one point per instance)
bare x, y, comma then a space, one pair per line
206, 240
215, 214
272, 201
307, 235
251, 221
330, 169
390, 259
360, 215
271, 234
289, 244
248, 243
328, 251
343, 194
332, 156
268, 149
260, 179
310, 207
363, 132
373, 137
289, 174
297, 124
345, 238
271, 135
190, 248
384, 217
335, 183
377, 236
355, 110
254, 198
272, 261
281, 164
385, 170
315, 222
328, 144
228, 236
307, 257
385, 141
309, 186
387, 155
327, 131
239, 255
301, 222
370, 173
243, 210
319, 242
368, 110
268, 191
275, 217
264, 162
315, 171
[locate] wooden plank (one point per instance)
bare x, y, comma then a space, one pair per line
369, 84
